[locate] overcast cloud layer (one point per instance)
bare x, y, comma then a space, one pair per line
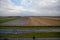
29, 7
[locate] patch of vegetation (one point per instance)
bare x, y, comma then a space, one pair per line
29, 27
30, 35
2, 20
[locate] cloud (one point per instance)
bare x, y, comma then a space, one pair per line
23, 2
47, 7
30, 7
9, 6
44, 3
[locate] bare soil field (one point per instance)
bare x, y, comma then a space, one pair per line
43, 21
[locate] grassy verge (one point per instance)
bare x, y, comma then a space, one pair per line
28, 27
30, 35
6, 19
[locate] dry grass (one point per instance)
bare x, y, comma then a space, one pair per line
43, 21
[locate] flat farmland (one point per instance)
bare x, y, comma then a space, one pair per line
32, 21
43, 21
2, 20
17, 22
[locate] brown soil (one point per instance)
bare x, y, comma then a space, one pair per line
43, 21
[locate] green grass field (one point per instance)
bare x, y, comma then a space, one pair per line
2, 20
28, 27
30, 35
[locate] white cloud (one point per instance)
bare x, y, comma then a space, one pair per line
39, 7
50, 12
48, 2
7, 7
45, 7
44, 3
23, 2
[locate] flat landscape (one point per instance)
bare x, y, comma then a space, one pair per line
32, 21
43, 21
16, 28
17, 22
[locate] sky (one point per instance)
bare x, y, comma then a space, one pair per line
29, 7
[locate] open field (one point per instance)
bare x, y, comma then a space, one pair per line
31, 21
13, 29
30, 35
43, 21
2, 20
18, 22
29, 27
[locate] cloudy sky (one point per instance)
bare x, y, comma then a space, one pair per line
29, 7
